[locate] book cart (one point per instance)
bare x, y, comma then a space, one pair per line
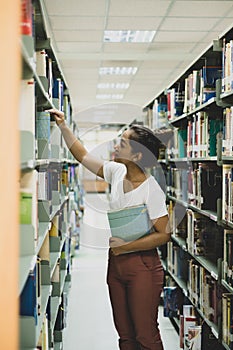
50, 194
198, 168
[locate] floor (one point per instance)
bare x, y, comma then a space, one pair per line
89, 319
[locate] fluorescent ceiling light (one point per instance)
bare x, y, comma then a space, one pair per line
129, 36
109, 96
119, 86
117, 70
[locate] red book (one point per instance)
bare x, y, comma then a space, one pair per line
26, 17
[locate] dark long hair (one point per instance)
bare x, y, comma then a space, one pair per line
149, 143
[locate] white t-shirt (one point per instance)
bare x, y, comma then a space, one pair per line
149, 192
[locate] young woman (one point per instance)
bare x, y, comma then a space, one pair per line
135, 274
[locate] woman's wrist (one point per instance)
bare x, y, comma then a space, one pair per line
62, 124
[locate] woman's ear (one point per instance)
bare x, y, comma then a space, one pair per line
137, 156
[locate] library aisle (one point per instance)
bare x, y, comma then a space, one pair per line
89, 319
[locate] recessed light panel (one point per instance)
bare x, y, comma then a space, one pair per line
120, 86
117, 70
109, 96
129, 36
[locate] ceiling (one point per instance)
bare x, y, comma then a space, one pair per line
184, 30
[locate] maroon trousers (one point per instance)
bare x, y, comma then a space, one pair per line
135, 282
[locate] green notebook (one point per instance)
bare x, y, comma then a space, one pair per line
129, 223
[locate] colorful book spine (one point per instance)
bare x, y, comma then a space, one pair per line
227, 192
58, 92
227, 319
228, 256
171, 305
26, 17
28, 297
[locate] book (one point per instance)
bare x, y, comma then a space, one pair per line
228, 256
26, 17
28, 200
227, 319
129, 223
28, 297
193, 340
43, 125
58, 93
186, 322
170, 297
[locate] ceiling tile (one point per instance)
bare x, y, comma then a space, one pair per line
139, 8
78, 35
223, 25
152, 65
126, 47
76, 7
88, 74
77, 23
74, 65
182, 24
230, 13
179, 36
171, 47
201, 9
134, 23
78, 47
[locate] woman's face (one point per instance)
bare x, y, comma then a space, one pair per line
123, 149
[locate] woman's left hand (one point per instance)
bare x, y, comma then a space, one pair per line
115, 244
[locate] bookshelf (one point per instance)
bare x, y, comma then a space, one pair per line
198, 167
49, 194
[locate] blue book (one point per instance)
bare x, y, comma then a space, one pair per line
28, 297
170, 302
129, 223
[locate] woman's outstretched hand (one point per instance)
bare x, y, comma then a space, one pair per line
58, 115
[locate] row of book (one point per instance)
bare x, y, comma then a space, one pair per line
200, 235
198, 140
177, 261
199, 184
227, 319
203, 291
53, 86
199, 87
202, 134
204, 238
48, 143
31, 297
50, 335
52, 187
227, 143
227, 66
190, 331
228, 256
227, 192
44, 64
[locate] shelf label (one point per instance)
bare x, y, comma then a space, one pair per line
214, 275
215, 333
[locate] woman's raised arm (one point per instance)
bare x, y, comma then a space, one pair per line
79, 152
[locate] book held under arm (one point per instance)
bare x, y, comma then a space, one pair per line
129, 223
